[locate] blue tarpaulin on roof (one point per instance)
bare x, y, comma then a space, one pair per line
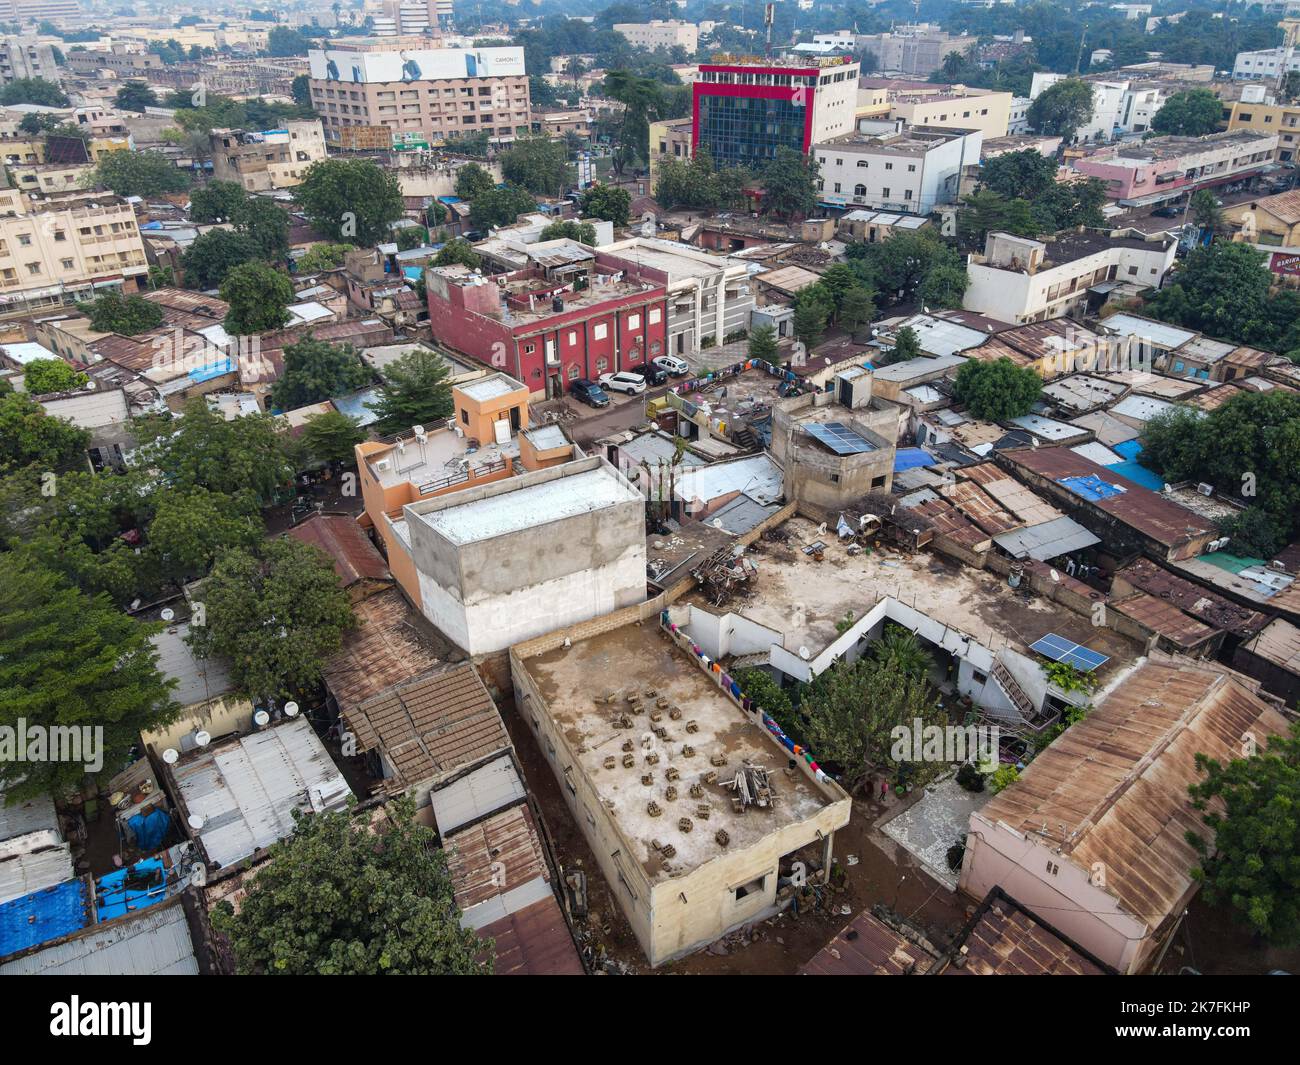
215, 369
128, 890
1129, 449
909, 458
1132, 470
1091, 487
43, 915
150, 829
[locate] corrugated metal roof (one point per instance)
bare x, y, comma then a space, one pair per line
246, 790
154, 942
533, 941
30, 815
1049, 540
355, 558
485, 790
1278, 643
1007, 940
21, 874
867, 947
497, 864
1113, 788
1162, 617
197, 679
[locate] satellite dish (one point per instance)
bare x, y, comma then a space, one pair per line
1055, 576
803, 653
167, 613
290, 709
202, 738
717, 523
196, 821
171, 756
261, 718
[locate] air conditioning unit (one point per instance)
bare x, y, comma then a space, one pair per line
383, 465
1206, 490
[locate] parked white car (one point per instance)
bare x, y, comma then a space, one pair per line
622, 381
672, 365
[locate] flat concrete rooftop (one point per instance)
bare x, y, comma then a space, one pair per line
805, 600
643, 659
444, 453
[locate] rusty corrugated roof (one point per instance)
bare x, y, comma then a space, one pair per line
534, 941
867, 947
1112, 789
1005, 939
355, 558
495, 856
1204, 605
1162, 617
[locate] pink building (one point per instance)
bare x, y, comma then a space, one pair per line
1163, 168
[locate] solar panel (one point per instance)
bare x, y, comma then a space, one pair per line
1059, 649
839, 438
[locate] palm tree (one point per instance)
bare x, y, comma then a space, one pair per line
902, 650
953, 63
640, 98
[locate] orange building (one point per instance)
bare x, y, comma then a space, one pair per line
486, 439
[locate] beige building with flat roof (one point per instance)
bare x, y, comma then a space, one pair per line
648, 742
67, 247
438, 94
660, 33
272, 159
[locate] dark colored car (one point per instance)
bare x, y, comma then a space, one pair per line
653, 374
1169, 211
589, 393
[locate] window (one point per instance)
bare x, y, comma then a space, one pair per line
25, 239
837, 186
859, 190
573, 336
634, 321
602, 365
464, 415
655, 316
878, 482
573, 373
599, 331
889, 166
978, 677
754, 887
529, 348
885, 192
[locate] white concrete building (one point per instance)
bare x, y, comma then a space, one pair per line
512, 559
660, 33
913, 171
1269, 63
1021, 280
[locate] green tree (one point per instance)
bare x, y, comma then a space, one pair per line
998, 390
472, 181
851, 711
332, 901
500, 207
193, 527
907, 345
790, 185
1248, 447
769, 696
641, 97
33, 91
583, 232
1191, 113
1206, 212
41, 377
409, 237
29, 436
277, 617
283, 41
1060, 109
216, 202
300, 90
985, 211
267, 225
901, 650
127, 315
900, 264
316, 370
762, 344
1022, 175
138, 174
135, 96
943, 287
350, 200
1222, 290
71, 660
538, 164
857, 307
416, 391
213, 255
258, 296
201, 448
323, 257
457, 251
608, 202
332, 437
1251, 857
809, 322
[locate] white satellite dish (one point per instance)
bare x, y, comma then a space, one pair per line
202, 738
1055, 576
196, 821
171, 756
291, 709
167, 613
261, 718
803, 653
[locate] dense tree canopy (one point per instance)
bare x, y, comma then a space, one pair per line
128, 315
1060, 109
538, 164
29, 436
998, 390
608, 202
351, 200
214, 254
1192, 113
33, 91
790, 185
416, 391
316, 370
500, 207
258, 295
41, 377
336, 899
144, 174
136, 96
472, 181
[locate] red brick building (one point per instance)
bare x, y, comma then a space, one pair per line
572, 314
